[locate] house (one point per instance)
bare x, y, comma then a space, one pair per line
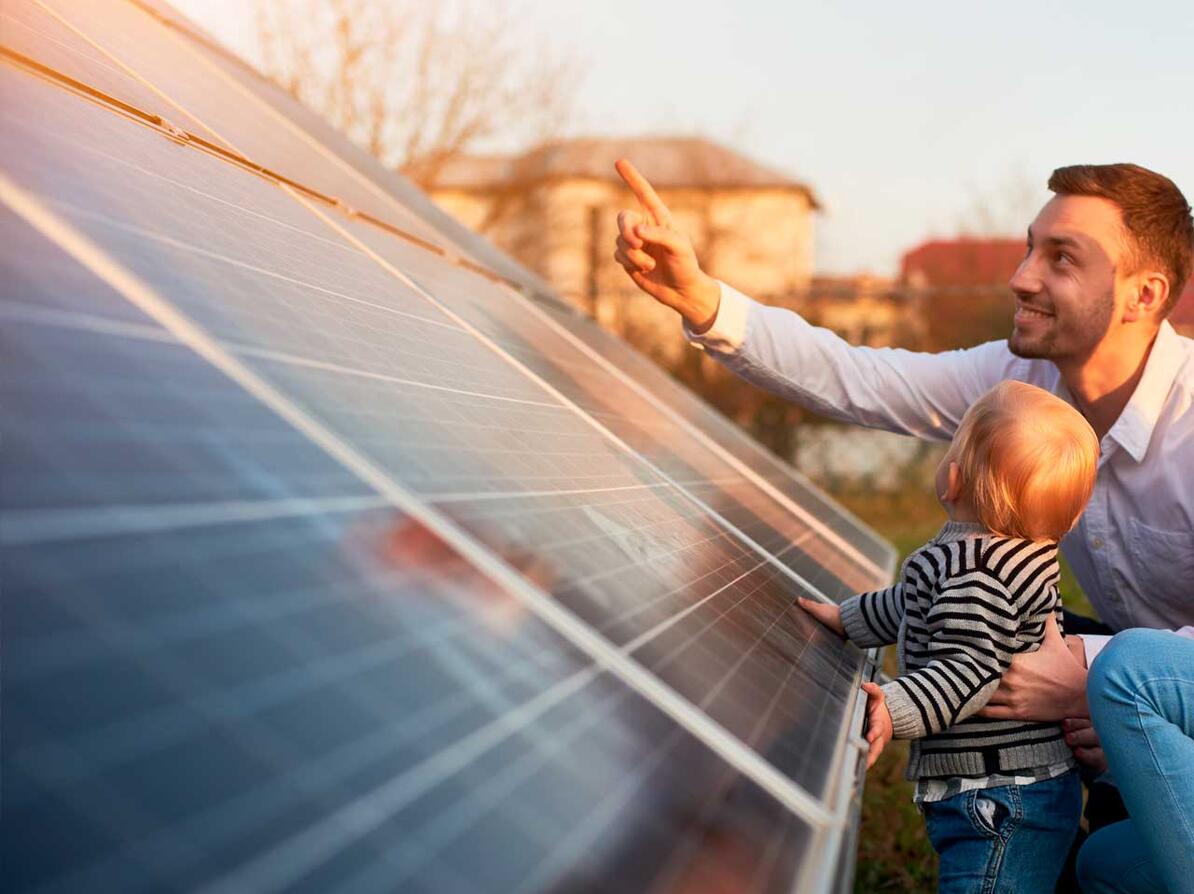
960, 288
555, 209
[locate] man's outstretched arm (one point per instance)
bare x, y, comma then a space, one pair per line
902, 391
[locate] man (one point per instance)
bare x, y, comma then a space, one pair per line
1107, 257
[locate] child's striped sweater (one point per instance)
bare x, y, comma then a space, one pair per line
965, 603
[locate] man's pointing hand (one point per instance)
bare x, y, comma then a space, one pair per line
660, 259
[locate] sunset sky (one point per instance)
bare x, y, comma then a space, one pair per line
905, 118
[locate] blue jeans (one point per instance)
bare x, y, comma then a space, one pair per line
1007, 840
1141, 694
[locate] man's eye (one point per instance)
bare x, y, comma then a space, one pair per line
1064, 258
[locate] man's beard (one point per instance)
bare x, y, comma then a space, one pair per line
1080, 339
1042, 349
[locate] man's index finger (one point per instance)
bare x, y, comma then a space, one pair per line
644, 192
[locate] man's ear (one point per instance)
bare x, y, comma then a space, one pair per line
1151, 291
953, 486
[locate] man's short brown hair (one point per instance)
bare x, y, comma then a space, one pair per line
1156, 215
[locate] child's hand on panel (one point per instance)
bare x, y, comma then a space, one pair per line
829, 615
878, 722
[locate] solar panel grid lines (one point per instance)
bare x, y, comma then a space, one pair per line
630, 672
746, 471
10, 615
150, 53
788, 480
347, 154
211, 55
552, 390
33, 31
622, 411
208, 833
666, 877
569, 495
247, 350
531, 346
350, 190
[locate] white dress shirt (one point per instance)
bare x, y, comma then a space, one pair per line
1133, 549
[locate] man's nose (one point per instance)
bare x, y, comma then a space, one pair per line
1025, 281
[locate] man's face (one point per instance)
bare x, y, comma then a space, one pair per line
1065, 286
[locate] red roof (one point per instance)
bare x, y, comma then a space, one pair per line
985, 262
962, 262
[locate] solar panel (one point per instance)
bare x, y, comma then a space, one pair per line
122, 48
356, 162
334, 562
777, 478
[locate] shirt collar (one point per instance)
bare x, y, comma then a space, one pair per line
1134, 428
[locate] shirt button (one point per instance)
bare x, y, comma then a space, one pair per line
1097, 542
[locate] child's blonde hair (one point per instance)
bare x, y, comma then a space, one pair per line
1027, 461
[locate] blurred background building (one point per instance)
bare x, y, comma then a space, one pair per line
554, 208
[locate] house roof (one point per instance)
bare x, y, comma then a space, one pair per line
966, 261
668, 162
976, 262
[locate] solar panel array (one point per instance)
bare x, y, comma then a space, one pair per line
338, 554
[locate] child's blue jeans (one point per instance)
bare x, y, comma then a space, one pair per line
1013, 838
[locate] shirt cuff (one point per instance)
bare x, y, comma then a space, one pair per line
906, 722
728, 331
856, 628
1092, 645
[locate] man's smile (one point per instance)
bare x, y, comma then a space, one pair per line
1025, 313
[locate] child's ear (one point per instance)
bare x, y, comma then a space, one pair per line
953, 486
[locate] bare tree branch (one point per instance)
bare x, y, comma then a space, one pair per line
418, 83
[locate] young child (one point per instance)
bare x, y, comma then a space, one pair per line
1001, 799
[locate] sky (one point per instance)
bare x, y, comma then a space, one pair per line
909, 120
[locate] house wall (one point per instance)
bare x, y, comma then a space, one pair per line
761, 240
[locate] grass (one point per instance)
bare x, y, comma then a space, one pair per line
894, 853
